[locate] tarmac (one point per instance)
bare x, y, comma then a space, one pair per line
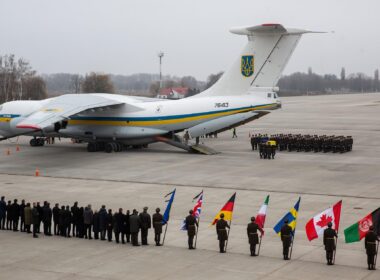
138, 178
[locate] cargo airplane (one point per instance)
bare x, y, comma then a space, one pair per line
112, 122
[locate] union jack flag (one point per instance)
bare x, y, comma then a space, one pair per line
196, 210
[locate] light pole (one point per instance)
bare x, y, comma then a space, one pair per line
160, 56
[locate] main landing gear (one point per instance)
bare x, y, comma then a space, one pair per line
37, 142
108, 147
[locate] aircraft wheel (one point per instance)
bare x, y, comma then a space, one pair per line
33, 142
91, 147
119, 147
109, 147
100, 146
40, 142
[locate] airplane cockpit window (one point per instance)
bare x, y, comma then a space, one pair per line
269, 95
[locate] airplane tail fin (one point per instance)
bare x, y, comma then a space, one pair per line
261, 62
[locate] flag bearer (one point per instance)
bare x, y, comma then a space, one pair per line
286, 238
157, 225
329, 237
221, 230
253, 237
191, 222
370, 246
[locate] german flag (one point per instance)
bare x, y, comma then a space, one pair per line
227, 210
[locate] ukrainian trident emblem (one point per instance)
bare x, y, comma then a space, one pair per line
246, 65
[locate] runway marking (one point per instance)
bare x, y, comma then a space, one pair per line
197, 186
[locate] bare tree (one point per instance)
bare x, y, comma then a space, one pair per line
95, 82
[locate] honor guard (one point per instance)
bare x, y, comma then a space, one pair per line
157, 225
253, 237
370, 246
221, 231
329, 240
191, 222
286, 238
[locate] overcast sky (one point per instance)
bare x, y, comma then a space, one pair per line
124, 36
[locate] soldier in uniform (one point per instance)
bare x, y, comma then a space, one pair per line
221, 231
370, 247
157, 225
329, 236
146, 224
28, 217
286, 238
135, 225
253, 237
191, 222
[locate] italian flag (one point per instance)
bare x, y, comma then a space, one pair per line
358, 230
260, 218
317, 225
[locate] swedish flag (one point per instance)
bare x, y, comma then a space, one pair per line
291, 216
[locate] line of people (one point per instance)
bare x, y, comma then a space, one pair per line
306, 143
80, 222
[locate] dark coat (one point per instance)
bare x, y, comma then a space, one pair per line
40, 212
67, 217
102, 219
286, 235
75, 214
8, 211
95, 222
35, 216
3, 208
88, 217
190, 222
135, 223
28, 215
157, 222
56, 214
145, 220
329, 239
221, 230
22, 214
15, 211
119, 221
47, 214
253, 236
109, 221
127, 224
370, 242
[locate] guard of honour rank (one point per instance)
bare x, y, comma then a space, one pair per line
83, 221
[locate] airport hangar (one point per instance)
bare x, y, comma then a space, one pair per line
138, 178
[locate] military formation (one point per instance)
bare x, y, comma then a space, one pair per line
103, 224
268, 144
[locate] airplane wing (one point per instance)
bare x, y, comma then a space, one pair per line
64, 106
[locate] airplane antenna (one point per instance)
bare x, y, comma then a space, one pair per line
160, 56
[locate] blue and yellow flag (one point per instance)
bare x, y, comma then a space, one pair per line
291, 216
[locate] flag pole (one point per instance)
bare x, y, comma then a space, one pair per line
258, 252
196, 235
166, 228
336, 244
228, 235
291, 246
377, 250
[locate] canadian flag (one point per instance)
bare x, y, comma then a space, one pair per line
316, 226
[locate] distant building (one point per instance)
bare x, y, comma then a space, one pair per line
173, 93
